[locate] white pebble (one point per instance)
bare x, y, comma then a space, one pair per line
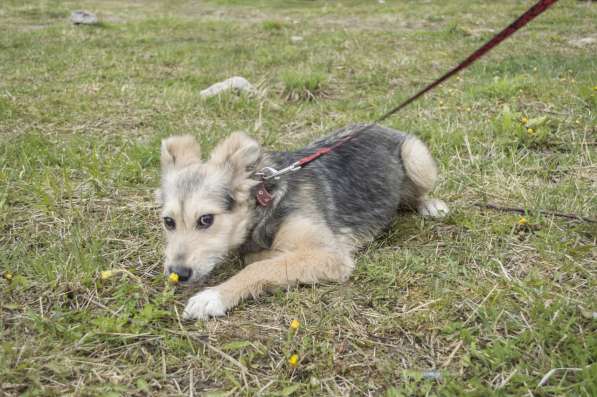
83, 18
236, 83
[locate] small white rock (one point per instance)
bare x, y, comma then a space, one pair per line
435, 375
83, 18
236, 83
296, 39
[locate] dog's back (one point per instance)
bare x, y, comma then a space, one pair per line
356, 189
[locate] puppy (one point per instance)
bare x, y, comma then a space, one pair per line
314, 221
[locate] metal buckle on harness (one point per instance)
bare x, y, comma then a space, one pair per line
270, 172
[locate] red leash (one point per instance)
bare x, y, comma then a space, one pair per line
264, 198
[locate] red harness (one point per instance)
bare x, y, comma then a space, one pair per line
264, 198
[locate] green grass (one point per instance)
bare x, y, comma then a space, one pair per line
303, 86
489, 304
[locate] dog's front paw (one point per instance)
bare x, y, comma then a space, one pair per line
205, 304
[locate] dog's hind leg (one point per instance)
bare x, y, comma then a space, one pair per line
306, 256
421, 175
433, 208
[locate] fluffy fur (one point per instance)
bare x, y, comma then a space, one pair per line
318, 217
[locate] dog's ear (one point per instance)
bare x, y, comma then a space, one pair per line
179, 152
240, 153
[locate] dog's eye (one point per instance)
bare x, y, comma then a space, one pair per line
169, 223
205, 221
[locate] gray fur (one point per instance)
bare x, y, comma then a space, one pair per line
193, 181
356, 189
317, 217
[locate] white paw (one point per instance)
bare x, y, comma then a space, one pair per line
433, 208
203, 305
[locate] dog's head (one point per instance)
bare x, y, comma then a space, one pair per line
205, 209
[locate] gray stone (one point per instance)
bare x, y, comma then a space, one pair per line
83, 18
236, 83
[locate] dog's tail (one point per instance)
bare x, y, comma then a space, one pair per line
420, 168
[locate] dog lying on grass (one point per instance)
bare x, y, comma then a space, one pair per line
318, 217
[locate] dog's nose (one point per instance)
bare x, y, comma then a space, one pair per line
184, 273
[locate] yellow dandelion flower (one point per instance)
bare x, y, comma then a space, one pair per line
595, 88
295, 324
524, 119
106, 274
7, 276
530, 131
293, 360
173, 278
522, 221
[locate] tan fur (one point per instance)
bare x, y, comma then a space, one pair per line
239, 154
419, 165
203, 249
238, 149
259, 256
179, 152
304, 251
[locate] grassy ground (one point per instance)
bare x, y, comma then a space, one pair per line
488, 303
